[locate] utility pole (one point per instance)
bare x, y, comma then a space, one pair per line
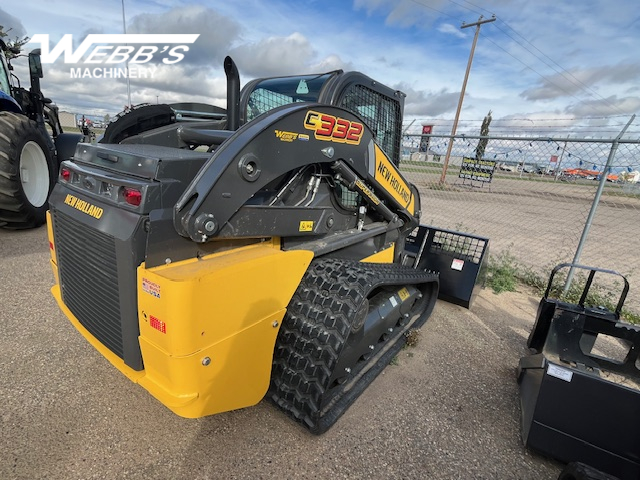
464, 86
124, 27
559, 164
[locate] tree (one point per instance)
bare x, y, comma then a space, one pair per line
484, 131
13, 47
107, 118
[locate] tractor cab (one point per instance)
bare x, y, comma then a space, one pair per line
32, 144
7, 102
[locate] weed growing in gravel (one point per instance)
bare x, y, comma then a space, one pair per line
504, 274
413, 337
599, 296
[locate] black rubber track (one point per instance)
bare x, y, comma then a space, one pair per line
16, 212
324, 312
581, 471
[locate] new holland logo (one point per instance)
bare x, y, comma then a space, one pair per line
84, 206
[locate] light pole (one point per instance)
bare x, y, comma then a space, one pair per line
124, 27
464, 87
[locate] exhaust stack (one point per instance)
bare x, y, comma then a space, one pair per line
233, 94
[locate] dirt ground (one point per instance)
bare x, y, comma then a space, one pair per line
447, 408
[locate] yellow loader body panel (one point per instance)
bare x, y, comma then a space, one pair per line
208, 327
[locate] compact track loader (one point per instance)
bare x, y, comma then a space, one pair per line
272, 264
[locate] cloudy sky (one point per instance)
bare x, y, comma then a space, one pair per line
546, 65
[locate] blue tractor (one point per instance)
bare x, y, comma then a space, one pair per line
32, 145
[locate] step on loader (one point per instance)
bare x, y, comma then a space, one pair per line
220, 257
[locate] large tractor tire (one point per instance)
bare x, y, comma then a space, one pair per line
28, 172
138, 120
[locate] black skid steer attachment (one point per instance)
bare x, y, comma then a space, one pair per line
580, 391
344, 324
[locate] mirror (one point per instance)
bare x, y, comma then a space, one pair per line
35, 65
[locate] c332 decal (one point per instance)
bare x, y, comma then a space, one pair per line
333, 129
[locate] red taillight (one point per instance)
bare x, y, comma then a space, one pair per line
132, 196
65, 173
158, 324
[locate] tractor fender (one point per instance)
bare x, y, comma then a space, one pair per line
9, 104
66, 145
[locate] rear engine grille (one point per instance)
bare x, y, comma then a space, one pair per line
89, 279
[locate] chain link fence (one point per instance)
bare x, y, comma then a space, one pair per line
533, 197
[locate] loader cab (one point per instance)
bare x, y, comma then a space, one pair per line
380, 107
265, 94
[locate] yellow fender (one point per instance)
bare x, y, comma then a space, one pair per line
208, 327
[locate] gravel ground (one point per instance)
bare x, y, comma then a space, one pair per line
447, 408
540, 225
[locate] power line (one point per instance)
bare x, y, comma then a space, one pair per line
564, 73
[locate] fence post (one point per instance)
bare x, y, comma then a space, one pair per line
594, 205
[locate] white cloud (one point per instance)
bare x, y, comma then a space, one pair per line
451, 30
275, 56
521, 66
12, 26
217, 32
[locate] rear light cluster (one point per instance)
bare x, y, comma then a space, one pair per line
132, 196
65, 174
120, 194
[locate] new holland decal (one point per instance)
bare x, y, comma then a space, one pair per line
83, 206
389, 178
384, 173
333, 129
